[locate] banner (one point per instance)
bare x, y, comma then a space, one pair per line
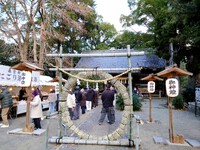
35, 78
12, 77
197, 94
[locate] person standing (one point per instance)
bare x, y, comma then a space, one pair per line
36, 109
83, 101
96, 97
71, 103
78, 96
89, 98
52, 99
108, 108
6, 104
22, 94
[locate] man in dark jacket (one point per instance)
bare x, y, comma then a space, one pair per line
108, 108
6, 103
78, 96
89, 98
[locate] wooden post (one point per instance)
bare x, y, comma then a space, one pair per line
28, 127
150, 107
60, 91
131, 98
171, 130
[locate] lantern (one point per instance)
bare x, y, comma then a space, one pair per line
172, 87
151, 86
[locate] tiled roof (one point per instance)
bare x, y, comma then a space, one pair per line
150, 61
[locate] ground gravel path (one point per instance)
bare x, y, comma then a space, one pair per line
185, 123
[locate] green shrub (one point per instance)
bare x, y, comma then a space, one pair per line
136, 103
119, 102
189, 95
178, 102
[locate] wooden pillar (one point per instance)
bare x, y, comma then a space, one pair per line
29, 127
150, 107
171, 129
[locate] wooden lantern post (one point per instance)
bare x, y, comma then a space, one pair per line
25, 66
151, 77
170, 72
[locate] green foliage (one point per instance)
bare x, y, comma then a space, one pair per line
7, 54
102, 36
178, 102
119, 102
189, 95
137, 105
135, 40
176, 22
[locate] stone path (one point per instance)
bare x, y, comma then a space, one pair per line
185, 123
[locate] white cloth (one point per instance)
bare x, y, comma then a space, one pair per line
36, 107
71, 101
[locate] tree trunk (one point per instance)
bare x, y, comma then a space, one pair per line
42, 35
34, 45
42, 46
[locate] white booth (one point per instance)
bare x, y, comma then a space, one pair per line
14, 80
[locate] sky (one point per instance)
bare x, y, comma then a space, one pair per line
111, 11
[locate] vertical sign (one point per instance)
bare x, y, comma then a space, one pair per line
35, 78
197, 94
172, 87
12, 77
151, 86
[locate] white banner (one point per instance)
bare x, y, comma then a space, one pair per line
35, 78
12, 77
197, 94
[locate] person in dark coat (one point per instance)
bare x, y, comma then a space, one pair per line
83, 101
96, 96
22, 93
108, 108
89, 98
78, 96
6, 104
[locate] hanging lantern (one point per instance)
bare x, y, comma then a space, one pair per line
172, 87
151, 86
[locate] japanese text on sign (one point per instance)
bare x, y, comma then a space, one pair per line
12, 77
172, 87
197, 94
151, 86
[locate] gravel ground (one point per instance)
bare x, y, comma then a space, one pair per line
184, 122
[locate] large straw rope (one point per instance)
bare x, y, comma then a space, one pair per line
89, 80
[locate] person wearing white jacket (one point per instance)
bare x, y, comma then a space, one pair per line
71, 103
36, 109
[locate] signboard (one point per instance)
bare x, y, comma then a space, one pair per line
197, 94
151, 86
12, 77
172, 87
35, 78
